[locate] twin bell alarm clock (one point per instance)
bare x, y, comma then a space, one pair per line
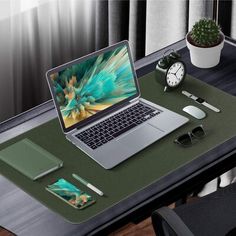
170, 70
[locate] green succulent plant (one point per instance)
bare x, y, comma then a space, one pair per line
205, 33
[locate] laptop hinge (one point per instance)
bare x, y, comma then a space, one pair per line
72, 131
134, 100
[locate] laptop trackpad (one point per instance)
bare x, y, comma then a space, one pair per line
141, 137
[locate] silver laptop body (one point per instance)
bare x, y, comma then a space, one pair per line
94, 90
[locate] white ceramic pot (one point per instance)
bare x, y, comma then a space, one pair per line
205, 57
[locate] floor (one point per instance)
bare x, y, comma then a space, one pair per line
4, 232
141, 229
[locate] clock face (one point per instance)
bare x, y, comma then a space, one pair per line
175, 74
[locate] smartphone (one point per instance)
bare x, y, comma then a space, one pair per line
70, 194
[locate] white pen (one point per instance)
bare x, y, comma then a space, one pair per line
86, 183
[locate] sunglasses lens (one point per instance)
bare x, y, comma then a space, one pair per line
184, 140
198, 132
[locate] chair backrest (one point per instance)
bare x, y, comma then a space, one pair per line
167, 223
214, 214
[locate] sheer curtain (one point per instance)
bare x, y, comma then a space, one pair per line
117, 20
32, 41
168, 21
233, 20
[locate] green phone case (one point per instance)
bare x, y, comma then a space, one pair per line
30, 159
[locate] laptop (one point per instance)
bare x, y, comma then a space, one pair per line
100, 108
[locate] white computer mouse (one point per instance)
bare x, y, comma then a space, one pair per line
195, 112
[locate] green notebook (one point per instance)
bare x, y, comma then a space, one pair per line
30, 159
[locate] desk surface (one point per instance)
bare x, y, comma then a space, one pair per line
143, 197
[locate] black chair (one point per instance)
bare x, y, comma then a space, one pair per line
211, 215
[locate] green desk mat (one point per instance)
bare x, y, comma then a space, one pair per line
138, 171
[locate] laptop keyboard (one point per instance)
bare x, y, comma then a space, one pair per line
116, 125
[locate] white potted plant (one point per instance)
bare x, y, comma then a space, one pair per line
205, 42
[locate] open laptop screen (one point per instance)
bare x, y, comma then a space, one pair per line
89, 86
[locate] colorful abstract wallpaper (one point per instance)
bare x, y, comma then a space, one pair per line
70, 193
93, 85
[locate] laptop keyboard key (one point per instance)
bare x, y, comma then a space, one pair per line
124, 130
93, 146
116, 125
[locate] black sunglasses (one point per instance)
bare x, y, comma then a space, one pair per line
187, 139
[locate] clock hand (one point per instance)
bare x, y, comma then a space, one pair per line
176, 71
180, 72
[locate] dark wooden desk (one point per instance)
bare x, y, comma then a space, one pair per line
25, 216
